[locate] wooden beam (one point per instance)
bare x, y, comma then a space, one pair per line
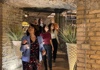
47, 10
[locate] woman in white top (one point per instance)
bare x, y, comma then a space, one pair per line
55, 40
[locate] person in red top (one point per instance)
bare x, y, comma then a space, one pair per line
48, 47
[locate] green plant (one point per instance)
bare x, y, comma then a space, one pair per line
68, 34
14, 32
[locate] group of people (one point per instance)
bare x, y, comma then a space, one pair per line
39, 44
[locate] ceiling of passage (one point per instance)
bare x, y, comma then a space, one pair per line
65, 4
39, 14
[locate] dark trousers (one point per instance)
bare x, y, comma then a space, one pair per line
55, 45
48, 57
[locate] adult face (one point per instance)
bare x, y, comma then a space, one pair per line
35, 22
52, 27
41, 21
31, 29
46, 28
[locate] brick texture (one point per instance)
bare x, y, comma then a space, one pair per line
11, 15
98, 61
97, 33
98, 15
95, 47
88, 32
95, 20
94, 11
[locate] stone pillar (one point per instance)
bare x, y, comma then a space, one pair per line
0, 36
60, 19
88, 35
57, 18
62, 22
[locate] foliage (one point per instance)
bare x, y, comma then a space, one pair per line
68, 34
14, 32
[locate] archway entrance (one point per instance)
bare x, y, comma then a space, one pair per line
49, 14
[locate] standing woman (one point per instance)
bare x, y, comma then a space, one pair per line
48, 47
41, 24
30, 49
55, 40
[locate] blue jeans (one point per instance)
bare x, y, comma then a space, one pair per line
48, 57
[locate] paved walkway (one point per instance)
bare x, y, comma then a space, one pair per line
61, 62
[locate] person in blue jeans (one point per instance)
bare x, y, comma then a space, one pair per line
47, 43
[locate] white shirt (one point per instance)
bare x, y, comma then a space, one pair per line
53, 36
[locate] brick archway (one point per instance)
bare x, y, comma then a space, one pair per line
88, 38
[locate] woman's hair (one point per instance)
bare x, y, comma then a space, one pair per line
39, 21
44, 28
27, 32
50, 27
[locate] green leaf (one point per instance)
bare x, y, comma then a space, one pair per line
14, 32
68, 34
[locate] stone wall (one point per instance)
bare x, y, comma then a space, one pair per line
0, 36
88, 34
11, 15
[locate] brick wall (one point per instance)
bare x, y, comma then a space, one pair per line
88, 35
11, 15
0, 36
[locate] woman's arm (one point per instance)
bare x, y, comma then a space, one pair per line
52, 45
41, 48
24, 46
